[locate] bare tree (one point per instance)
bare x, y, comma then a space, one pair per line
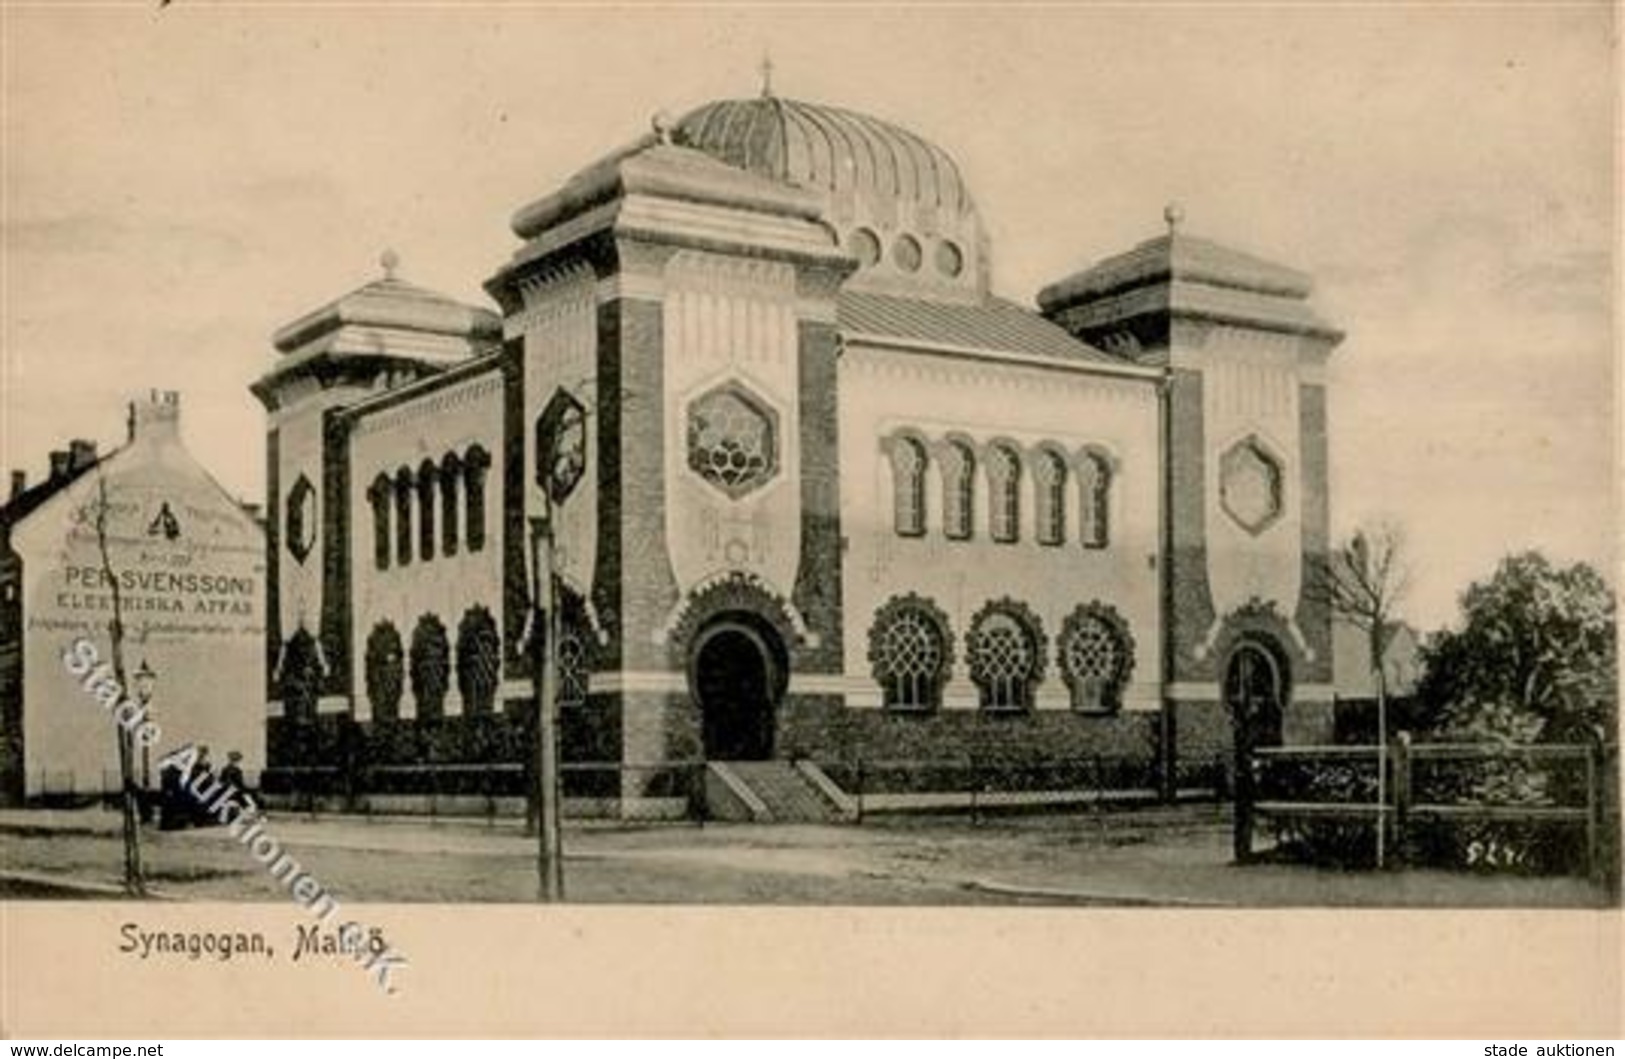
1363, 581
134, 879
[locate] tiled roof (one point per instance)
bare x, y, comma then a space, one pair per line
1180, 258
992, 324
25, 503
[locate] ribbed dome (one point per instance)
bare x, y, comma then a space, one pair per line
825, 147
896, 202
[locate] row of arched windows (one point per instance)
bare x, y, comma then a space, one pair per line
1003, 464
429, 497
429, 664
911, 652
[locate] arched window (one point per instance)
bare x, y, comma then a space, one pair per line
1005, 650
451, 472
378, 495
1096, 656
403, 516
475, 466
910, 651
1095, 484
385, 671
300, 677
1049, 475
430, 667
479, 660
1004, 489
908, 461
958, 490
427, 473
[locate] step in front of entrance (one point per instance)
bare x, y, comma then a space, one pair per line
763, 791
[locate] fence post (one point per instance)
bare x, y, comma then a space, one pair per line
1593, 808
1242, 833
1402, 794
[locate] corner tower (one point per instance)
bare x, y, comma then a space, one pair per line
689, 306
378, 337
1248, 657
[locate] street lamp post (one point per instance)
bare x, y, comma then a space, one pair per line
550, 848
560, 462
145, 679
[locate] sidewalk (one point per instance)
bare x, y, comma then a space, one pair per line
1127, 859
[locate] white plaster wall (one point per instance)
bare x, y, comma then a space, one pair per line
444, 420
193, 609
299, 451
559, 322
1250, 387
731, 320
884, 390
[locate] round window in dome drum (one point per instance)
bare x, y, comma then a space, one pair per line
865, 246
905, 253
950, 259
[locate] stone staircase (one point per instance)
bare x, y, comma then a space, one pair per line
777, 791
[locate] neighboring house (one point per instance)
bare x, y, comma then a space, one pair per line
190, 569
1401, 667
1356, 716
841, 502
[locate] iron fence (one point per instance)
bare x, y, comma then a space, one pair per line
645, 792
984, 787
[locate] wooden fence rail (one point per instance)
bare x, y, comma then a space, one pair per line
1429, 789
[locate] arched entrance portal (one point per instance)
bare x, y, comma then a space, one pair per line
738, 671
1254, 689
1255, 682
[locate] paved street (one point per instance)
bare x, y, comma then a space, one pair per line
1146, 857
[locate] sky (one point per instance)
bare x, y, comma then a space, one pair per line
178, 182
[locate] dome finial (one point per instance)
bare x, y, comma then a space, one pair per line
391, 261
767, 75
1174, 214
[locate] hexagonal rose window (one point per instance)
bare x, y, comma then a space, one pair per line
733, 439
1250, 485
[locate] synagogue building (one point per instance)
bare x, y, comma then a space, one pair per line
839, 502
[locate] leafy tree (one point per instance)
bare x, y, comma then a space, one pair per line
1534, 654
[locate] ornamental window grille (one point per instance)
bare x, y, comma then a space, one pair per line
380, 495
574, 669
429, 667
451, 472
958, 490
1096, 657
909, 649
385, 671
1004, 490
1093, 655
908, 472
732, 441
479, 660
1095, 485
403, 516
1004, 655
1050, 477
475, 466
427, 473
